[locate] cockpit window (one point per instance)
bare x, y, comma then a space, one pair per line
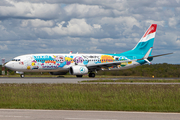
16, 59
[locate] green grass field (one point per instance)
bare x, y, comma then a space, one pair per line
137, 80
161, 98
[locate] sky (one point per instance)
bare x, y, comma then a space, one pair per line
88, 26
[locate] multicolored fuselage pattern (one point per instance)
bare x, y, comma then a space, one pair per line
60, 61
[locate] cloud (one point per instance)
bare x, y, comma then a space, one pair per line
37, 23
27, 10
81, 11
173, 22
161, 23
75, 27
3, 47
5, 3
98, 26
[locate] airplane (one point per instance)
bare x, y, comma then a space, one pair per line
82, 64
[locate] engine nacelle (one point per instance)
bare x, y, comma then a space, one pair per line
57, 73
78, 70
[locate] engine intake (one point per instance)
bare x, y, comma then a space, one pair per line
78, 70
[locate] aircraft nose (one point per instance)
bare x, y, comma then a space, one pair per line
9, 65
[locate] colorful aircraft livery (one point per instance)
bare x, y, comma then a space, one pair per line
81, 64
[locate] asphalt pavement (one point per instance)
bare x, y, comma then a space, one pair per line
76, 80
23, 114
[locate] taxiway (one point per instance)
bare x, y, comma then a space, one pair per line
75, 80
23, 114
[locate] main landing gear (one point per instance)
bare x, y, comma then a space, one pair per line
92, 75
22, 75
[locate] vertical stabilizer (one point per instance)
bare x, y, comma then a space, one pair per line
146, 42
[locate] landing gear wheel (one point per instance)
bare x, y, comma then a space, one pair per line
22, 76
92, 75
79, 76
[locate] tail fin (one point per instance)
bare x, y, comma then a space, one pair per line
146, 42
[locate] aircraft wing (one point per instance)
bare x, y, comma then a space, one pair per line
98, 66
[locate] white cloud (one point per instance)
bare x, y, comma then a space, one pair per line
3, 47
75, 27
86, 26
81, 10
96, 26
37, 23
93, 49
123, 21
107, 40
94, 41
172, 22
149, 22
29, 10
120, 44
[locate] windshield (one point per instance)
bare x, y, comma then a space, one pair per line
16, 59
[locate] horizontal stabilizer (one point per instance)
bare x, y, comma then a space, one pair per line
147, 61
159, 55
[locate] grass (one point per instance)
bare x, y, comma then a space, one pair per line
137, 80
115, 97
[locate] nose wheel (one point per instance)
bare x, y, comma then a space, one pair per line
92, 75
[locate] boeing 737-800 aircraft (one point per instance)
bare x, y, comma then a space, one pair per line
81, 64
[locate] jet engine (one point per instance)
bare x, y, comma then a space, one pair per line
78, 70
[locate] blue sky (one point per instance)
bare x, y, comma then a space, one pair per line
88, 26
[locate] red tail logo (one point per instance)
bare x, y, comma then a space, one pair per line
151, 29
